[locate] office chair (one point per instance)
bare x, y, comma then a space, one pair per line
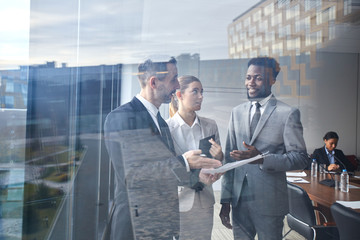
347, 221
301, 217
354, 161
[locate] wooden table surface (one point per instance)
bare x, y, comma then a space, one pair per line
325, 195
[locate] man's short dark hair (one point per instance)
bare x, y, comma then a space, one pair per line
266, 62
150, 68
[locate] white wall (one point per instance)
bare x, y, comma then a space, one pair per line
324, 88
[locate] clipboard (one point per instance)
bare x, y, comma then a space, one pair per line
205, 145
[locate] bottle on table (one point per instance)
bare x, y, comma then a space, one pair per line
314, 168
344, 181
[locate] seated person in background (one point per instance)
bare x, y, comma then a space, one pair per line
331, 156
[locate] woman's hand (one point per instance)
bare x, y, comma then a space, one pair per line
216, 150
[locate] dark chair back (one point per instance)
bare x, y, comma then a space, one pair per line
301, 215
354, 161
347, 221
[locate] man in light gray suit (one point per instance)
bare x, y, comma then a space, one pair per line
258, 192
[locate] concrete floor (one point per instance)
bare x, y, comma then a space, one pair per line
222, 233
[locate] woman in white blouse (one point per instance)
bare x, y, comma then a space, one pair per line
187, 129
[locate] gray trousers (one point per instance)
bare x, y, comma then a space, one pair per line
247, 222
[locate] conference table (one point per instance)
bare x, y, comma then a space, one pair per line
324, 196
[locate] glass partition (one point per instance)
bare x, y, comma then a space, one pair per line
65, 65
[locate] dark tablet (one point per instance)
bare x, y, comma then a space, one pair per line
205, 145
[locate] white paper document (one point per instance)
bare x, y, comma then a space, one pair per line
296, 174
350, 204
233, 165
296, 180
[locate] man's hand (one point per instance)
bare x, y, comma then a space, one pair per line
249, 153
216, 150
333, 167
196, 161
225, 215
208, 178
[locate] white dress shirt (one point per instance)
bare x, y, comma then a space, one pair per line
330, 155
263, 104
187, 137
151, 108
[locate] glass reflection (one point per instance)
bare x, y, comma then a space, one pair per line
57, 86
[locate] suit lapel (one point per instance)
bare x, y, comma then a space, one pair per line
148, 121
205, 129
247, 122
270, 107
140, 108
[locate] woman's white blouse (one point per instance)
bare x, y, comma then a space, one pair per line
187, 137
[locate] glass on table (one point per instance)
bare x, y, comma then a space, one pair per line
337, 181
322, 168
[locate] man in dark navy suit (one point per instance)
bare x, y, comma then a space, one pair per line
141, 150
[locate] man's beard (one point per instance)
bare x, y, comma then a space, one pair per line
167, 101
262, 94
166, 98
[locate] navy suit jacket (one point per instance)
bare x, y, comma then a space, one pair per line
321, 157
146, 198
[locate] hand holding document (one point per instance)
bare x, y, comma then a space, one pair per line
196, 160
207, 178
233, 165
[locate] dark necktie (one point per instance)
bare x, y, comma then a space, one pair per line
165, 132
255, 119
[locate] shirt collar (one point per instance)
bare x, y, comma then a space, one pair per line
327, 152
263, 101
181, 121
148, 105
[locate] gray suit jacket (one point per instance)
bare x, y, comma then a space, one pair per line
146, 199
278, 132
